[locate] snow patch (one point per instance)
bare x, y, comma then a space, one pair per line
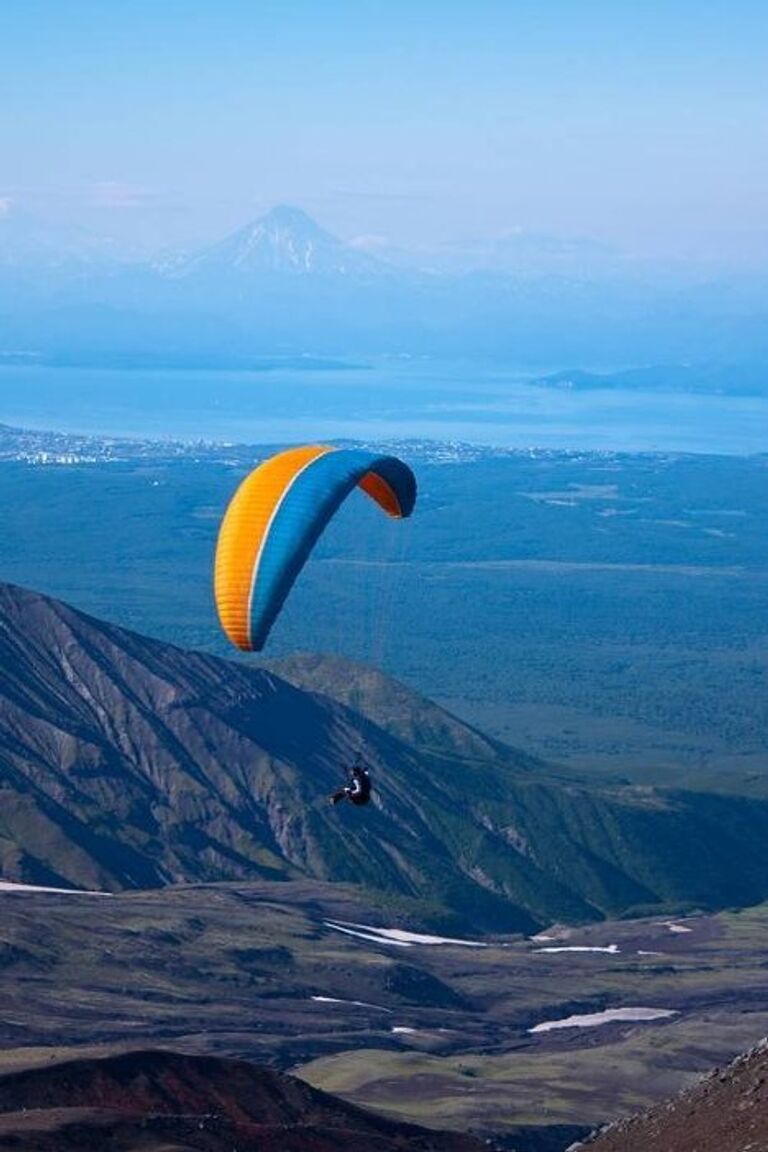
593, 1020
611, 949
677, 927
397, 935
357, 1003
366, 935
10, 886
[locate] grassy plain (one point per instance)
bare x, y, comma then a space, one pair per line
233, 969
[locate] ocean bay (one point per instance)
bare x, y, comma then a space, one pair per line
491, 405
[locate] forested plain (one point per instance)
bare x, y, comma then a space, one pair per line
606, 611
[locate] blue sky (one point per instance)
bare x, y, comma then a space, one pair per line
641, 125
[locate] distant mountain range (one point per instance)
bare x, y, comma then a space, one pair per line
284, 285
129, 763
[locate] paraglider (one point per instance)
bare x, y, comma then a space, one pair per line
358, 791
277, 516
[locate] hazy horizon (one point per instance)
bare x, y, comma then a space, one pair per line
439, 132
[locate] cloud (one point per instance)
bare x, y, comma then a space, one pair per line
370, 243
118, 194
393, 196
6, 203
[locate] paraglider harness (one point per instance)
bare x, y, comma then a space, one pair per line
358, 791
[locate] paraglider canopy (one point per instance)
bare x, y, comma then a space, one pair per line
275, 519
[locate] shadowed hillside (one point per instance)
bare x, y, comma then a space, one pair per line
126, 762
157, 1101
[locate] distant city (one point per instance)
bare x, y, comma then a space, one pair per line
61, 449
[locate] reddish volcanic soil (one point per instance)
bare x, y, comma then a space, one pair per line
166, 1102
726, 1112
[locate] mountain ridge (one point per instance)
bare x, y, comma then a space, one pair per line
127, 763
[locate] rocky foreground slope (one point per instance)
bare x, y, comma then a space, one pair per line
159, 1101
129, 763
725, 1112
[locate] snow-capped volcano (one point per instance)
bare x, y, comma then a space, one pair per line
286, 240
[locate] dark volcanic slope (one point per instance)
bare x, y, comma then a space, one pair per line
164, 1100
126, 762
726, 1112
